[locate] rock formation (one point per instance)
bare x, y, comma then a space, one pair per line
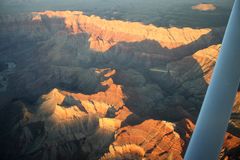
70, 123
153, 140
138, 99
204, 7
105, 33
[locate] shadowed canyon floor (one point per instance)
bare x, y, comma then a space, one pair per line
83, 87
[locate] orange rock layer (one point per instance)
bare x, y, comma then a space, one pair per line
204, 7
106, 33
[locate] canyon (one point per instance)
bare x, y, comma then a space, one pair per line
84, 87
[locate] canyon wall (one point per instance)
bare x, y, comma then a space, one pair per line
83, 87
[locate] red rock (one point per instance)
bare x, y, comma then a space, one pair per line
153, 139
106, 33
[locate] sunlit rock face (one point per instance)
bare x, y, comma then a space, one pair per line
150, 139
105, 33
64, 100
194, 80
72, 125
154, 139
49, 52
204, 7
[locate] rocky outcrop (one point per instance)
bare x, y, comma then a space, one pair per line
204, 7
65, 101
151, 140
71, 124
103, 34
201, 62
124, 152
191, 82
106, 33
160, 140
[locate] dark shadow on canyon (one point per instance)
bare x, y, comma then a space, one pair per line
152, 92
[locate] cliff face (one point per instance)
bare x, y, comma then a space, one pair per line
61, 99
71, 123
106, 33
157, 139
